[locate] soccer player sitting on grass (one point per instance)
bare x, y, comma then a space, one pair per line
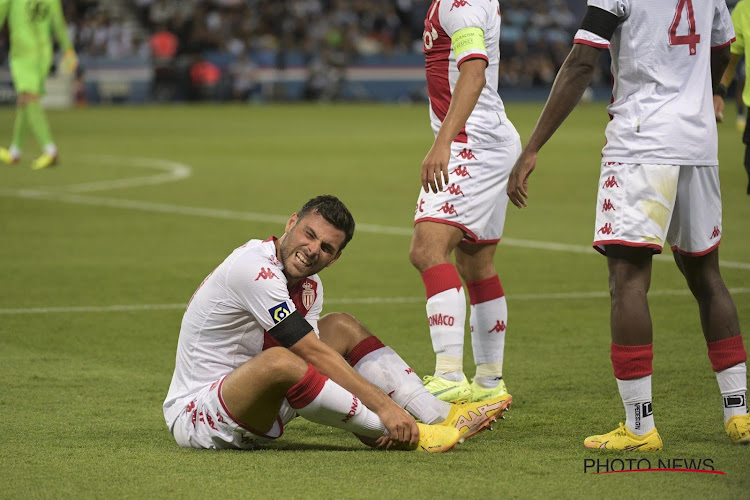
253, 353
30, 23
659, 182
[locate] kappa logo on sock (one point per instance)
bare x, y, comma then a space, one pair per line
734, 401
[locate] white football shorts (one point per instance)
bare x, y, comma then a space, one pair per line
641, 205
474, 199
206, 423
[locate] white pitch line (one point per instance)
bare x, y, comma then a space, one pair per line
177, 171
146, 206
174, 172
346, 301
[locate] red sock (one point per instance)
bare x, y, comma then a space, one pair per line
726, 353
632, 361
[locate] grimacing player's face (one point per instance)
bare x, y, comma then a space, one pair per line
309, 245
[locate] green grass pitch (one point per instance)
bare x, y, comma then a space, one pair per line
99, 256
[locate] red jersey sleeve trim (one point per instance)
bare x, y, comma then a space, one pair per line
472, 56
590, 43
730, 42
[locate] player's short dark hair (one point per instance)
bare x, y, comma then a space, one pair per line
334, 211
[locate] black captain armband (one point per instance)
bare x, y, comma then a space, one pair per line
721, 90
600, 22
290, 330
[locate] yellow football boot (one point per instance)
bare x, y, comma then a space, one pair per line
448, 390
738, 428
472, 418
437, 438
7, 158
479, 393
44, 161
621, 439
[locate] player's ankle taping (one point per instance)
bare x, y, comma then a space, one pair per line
490, 370
448, 364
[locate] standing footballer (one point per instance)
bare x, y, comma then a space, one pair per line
461, 209
31, 23
659, 182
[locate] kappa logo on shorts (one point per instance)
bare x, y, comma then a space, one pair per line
610, 182
419, 206
460, 171
605, 229
716, 233
448, 208
454, 189
459, 3
466, 154
607, 205
279, 312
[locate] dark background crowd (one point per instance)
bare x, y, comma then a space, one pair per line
217, 48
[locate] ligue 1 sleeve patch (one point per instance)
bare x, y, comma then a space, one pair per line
279, 312
468, 39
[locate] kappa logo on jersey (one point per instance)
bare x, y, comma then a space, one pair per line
610, 182
457, 4
266, 274
716, 233
460, 171
454, 189
308, 295
499, 327
466, 154
607, 205
273, 260
279, 312
605, 229
448, 208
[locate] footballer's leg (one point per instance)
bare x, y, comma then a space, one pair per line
430, 252
488, 318
254, 392
383, 367
631, 350
721, 330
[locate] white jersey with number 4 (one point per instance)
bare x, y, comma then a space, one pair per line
662, 108
488, 126
228, 317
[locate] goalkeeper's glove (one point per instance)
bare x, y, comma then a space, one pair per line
69, 61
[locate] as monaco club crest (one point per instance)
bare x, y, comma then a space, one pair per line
308, 295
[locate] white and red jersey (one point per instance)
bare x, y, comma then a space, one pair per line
488, 125
662, 102
226, 321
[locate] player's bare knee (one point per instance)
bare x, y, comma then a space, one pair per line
345, 328
284, 364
